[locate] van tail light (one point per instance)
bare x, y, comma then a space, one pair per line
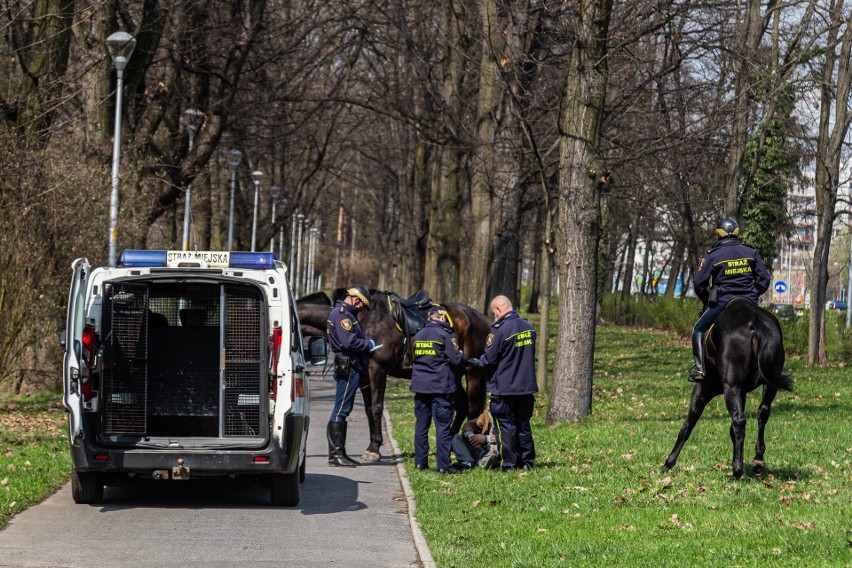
89, 376
275, 344
298, 390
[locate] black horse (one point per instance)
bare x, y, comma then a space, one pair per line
744, 350
471, 330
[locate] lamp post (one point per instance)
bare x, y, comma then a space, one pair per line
120, 45
274, 190
290, 266
313, 258
193, 118
281, 233
255, 176
300, 221
234, 159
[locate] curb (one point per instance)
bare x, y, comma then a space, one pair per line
423, 551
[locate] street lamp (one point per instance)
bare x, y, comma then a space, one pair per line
120, 46
274, 190
281, 233
255, 176
193, 118
300, 222
291, 266
234, 159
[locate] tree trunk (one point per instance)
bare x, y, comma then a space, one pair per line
475, 256
749, 35
629, 261
442, 265
581, 178
832, 132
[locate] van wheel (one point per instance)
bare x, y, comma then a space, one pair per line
87, 487
285, 489
302, 469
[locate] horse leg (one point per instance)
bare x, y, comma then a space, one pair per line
460, 406
701, 395
769, 393
735, 402
374, 406
475, 392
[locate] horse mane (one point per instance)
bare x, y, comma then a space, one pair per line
319, 298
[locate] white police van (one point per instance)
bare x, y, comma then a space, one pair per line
182, 365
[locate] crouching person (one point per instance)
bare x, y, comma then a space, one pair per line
477, 444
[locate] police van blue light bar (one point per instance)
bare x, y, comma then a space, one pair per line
196, 259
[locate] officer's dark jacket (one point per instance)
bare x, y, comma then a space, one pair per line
735, 268
510, 356
345, 336
436, 356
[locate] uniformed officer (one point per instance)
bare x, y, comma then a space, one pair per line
509, 359
730, 269
351, 357
433, 382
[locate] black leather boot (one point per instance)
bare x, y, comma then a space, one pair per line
336, 434
698, 373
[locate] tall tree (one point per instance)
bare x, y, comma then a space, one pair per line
582, 174
834, 120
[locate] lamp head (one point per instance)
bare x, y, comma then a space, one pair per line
234, 157
120, 46
275, 190
256, 175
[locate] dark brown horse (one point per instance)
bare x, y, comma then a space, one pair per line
470, 327
744, 350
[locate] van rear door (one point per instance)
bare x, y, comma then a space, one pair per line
75, 322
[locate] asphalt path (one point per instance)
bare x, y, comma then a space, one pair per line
346, 517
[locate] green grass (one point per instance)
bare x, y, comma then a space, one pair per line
596, 497
34, 457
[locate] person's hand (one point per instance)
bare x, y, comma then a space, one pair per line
475, 361
372, 344
477, 440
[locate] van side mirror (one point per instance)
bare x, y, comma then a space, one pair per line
62, 337
317, 350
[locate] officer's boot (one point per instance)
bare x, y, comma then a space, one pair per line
697, 374
336, 434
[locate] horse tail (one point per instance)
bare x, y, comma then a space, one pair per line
768, 346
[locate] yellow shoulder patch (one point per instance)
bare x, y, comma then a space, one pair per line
346, 323
455, 343
489, 340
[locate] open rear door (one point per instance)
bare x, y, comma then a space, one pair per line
76, 320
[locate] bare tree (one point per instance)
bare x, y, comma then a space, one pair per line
582, 176
834, 120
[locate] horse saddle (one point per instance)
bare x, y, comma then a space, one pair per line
409, 315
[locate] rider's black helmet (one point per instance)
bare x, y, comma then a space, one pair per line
359, 291
727, 227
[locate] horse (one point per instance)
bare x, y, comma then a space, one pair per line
744, 350
313, 312
470, 327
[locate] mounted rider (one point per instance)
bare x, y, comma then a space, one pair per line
730, 269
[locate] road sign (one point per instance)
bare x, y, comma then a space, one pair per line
780, 286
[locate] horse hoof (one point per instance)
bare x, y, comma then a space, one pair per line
738, 474
371, 457
759, 467
664, 469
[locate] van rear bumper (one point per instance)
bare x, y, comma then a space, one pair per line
200, 461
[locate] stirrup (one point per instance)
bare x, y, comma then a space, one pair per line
696, 377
